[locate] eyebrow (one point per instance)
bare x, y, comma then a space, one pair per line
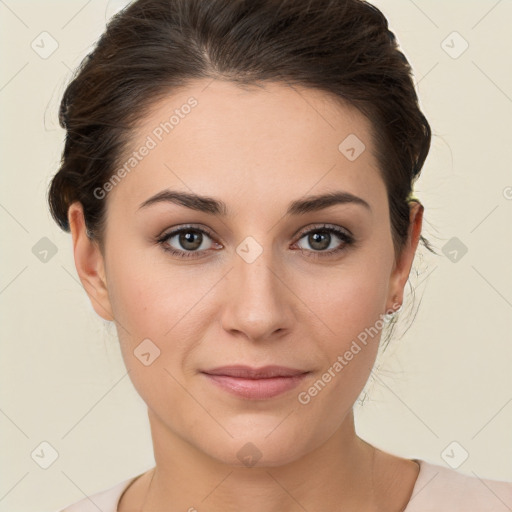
214, 206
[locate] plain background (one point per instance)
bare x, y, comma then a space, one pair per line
448, 378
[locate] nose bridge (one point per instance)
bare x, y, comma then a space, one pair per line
255, 269
259, 303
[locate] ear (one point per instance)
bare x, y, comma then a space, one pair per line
89, 263
403, 263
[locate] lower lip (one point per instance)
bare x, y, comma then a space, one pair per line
256, 389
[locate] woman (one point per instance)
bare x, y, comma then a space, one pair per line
237, 178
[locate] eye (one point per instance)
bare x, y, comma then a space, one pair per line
186, 242
322, 240
191, 242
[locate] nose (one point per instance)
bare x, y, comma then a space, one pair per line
258, 303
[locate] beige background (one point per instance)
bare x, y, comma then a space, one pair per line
447, 379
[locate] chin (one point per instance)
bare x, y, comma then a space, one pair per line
262, 449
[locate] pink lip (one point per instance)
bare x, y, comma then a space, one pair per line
255, 383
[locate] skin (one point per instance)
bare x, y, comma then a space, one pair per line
256, 149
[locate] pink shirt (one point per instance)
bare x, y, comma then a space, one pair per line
437, 489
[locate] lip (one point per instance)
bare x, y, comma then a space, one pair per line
255, 383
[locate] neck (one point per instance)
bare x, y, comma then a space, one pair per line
337, 475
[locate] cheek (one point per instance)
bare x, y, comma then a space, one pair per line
348, 316
346, 299
147, 296
152, 338
159, 315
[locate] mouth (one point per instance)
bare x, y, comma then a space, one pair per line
255, 383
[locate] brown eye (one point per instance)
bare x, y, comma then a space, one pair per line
190, 240
326, 240
320, 240
186, 242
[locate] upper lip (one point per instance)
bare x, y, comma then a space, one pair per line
248, 372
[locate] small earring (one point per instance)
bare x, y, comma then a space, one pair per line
392, 313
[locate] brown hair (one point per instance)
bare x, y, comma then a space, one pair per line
153, 47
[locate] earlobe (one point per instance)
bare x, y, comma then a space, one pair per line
89, 263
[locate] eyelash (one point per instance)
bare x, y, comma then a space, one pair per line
346, 238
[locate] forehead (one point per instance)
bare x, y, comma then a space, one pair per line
248, 143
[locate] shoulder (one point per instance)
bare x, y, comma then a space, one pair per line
105, 500
441, 489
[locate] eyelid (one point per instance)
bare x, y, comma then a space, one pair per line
320, 226
174, 231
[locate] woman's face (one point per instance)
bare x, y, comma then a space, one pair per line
262, 283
